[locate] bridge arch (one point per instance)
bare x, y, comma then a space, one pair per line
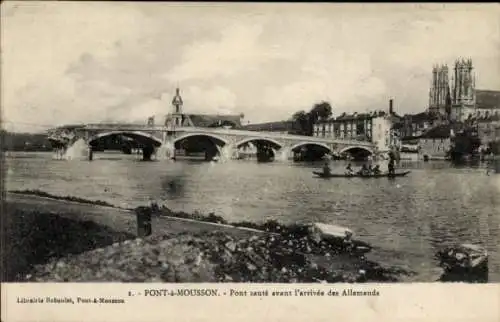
319, 144
356, 147
253, 139
138, 135
216, 138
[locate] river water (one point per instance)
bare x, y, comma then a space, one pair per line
406, 219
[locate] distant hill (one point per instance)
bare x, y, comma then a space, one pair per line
10, 141
279, 126
39, 142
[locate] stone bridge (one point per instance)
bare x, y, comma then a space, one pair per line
165, 140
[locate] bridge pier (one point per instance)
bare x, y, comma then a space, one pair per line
90, 153
265, 154
147, 152
59, 152
212, 152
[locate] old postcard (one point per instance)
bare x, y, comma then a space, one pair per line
302, 161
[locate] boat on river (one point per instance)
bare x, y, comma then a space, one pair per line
355, 175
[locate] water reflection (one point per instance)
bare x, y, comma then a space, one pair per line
173, 186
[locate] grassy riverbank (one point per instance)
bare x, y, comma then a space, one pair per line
44, 194
32, 237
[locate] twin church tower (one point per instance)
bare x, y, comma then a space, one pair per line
455, 99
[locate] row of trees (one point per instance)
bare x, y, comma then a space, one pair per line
303, 122
465, 143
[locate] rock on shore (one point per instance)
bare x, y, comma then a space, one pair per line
213, 257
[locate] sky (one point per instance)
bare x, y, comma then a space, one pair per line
79, 62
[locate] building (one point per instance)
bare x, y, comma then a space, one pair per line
375, 127
487, 104
178, 118
488, 129
206, 120
414, 125
458, 99
435, 143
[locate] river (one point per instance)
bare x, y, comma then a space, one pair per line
406, 219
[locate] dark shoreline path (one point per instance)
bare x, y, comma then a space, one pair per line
119, 219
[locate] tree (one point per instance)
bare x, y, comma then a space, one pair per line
304, 122
320, 111
300, 123
464, 143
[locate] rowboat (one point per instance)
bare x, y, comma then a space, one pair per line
381, 175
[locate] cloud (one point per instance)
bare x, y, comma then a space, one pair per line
217, 99
89, 62
38, 46
236, 52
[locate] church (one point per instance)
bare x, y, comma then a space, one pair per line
458, 97
177, 118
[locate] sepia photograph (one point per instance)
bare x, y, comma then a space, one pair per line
250, 142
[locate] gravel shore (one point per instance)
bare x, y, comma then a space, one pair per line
213, 257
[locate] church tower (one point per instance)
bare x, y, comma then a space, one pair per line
433, 90
463, 89
177, 115
439, 89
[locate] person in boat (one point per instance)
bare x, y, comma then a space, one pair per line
348, 170
376, 169
392, 158
326, 168
391, 167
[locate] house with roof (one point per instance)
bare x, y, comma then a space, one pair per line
436, 142
487, 104
414, 125
487, 128
209, 120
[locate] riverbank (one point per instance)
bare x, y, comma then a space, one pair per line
56, 240
270, 226
44, 194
